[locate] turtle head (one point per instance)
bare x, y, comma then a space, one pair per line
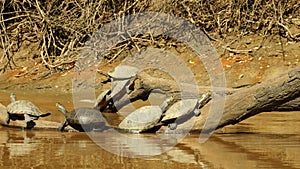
205, 98
12, 97
167, 102
61, 108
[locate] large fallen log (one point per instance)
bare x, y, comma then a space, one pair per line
144, 84
293, 105
282, 91
279, 94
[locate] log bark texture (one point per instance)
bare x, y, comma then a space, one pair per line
279, 94
282, 91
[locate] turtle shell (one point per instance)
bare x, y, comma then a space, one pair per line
85, 119
123, 72
85, 116
179, 109
142, 119
23, 107
118, 86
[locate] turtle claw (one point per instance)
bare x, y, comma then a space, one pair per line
172, 126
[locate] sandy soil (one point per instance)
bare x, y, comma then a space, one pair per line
241, 69
30, 79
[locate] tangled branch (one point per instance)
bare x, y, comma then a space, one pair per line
61, 28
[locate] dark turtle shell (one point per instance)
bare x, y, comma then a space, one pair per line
86, 119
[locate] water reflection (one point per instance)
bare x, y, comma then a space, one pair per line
135, 145
269, 140
23, 149
20, 144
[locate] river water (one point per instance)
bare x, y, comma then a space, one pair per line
268, 140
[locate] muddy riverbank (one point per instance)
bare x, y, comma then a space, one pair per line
32, 81
268, 140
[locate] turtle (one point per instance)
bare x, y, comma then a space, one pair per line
184, 110
102, 100
23, 110
145, 118
121, 78
82, 119
123, 72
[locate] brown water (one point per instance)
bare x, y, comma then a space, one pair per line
269, 140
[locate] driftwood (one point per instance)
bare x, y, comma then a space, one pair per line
279, 94
292, 105
144, 84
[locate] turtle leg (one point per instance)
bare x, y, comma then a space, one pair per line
29, 121
172, 126
130, 86
197, 112
30, 124
127, 89
62, 126
8, 118
103, 100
